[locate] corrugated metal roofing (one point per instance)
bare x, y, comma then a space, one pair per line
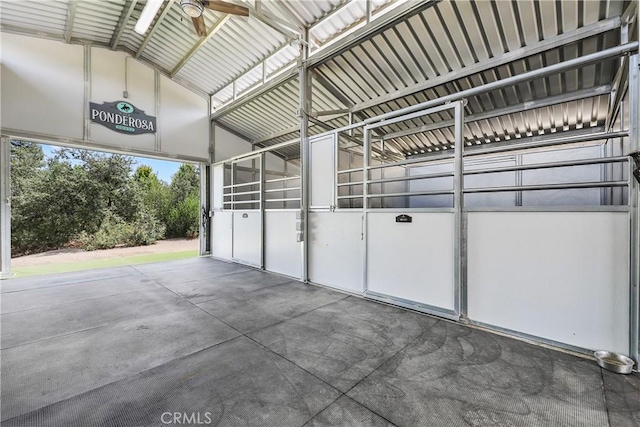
235, 49
276, 110
443, 40
453, 35
94, 20
49, 17
346, 15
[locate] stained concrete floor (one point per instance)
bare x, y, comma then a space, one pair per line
203, 342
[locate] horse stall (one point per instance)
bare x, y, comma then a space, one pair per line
256, 209
489, 236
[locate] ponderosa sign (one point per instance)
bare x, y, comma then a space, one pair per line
123, 117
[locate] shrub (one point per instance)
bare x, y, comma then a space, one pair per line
146, 229
184, 218
113, 231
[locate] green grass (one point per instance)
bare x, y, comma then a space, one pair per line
100, 263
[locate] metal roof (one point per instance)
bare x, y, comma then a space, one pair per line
481, 42
441, 47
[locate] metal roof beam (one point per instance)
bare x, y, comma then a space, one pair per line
71, 16
272, 84
281, 26
232, 130
341, 112
338, 94
155, 27
497, 61
512, 109
275, 135
282, 9
127, 10
279, 134
217, 26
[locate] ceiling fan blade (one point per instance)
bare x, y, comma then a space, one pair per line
199, 26
224, 7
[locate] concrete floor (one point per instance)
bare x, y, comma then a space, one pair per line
143, 345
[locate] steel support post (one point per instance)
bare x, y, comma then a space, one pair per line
460, 292
86, 122
5, 208
262, 163
205, 223
305, 159
634, 215
366, 161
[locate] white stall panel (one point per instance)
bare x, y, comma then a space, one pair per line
42, 86
283, 253
322, 171
336, 249
222, 235
413, 261
562, 276
247, 237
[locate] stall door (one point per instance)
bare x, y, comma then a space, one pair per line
246, 204
221, 221
247, 237
335, 237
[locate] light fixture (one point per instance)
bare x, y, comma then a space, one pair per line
193, 8
146, 17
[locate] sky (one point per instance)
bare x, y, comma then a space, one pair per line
164, 169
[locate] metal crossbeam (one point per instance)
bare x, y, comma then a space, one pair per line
217, 26
282, 8
281, 26
127, 10
156, 25
330, 87
525, 106
71, 16
269, 86
497, 61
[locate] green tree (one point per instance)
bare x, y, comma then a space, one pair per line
185, 182
96, 199
109, 177
156, 195
27, 162
183, 215
144, 174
